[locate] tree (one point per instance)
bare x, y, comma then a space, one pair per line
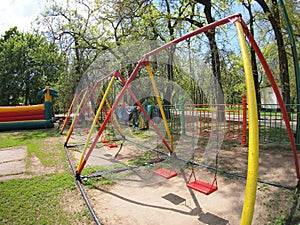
28, 63
273, 16
9, 85
247, 4
293, 11
171, 12
86, 30
69, 27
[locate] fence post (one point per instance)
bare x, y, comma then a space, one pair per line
244, 129
181, 104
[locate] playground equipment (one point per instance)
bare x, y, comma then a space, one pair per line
91, 140
29, 117
202, 186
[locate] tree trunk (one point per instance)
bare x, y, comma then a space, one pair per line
211, 35
274, 19
170, 71
171, 53
215, 59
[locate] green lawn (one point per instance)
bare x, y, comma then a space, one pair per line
43, 199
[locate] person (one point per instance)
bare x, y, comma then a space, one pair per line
143, 122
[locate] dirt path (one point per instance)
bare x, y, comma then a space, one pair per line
168, 202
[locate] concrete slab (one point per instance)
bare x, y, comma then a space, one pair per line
11, 168
12, 154
97, 158
12, 162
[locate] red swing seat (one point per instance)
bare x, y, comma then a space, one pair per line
112, 145
201, 186
166, 173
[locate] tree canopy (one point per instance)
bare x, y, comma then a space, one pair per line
28, 62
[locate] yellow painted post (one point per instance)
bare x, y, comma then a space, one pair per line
74, 118
48, 97
113, 115
253, 146
95, 121
160, 106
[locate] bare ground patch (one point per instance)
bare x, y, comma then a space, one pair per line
171, 202
17, 163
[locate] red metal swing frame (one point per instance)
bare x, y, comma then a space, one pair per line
145, 59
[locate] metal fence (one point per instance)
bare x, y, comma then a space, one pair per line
207, 119
231, 120
272, 128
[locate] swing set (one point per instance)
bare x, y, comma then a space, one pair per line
193, 182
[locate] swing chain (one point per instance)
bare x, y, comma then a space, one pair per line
192, 174
216, 169
215, 181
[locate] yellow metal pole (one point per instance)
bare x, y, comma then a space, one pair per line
160, 106
68, 115
95, 121
74, 118
253, 146
113, 115
93, 114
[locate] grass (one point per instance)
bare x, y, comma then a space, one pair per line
280, 215
36, 200
103, 180
41, 199
146, 157
273, 135
34, 140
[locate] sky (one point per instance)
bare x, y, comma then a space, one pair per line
20, 13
